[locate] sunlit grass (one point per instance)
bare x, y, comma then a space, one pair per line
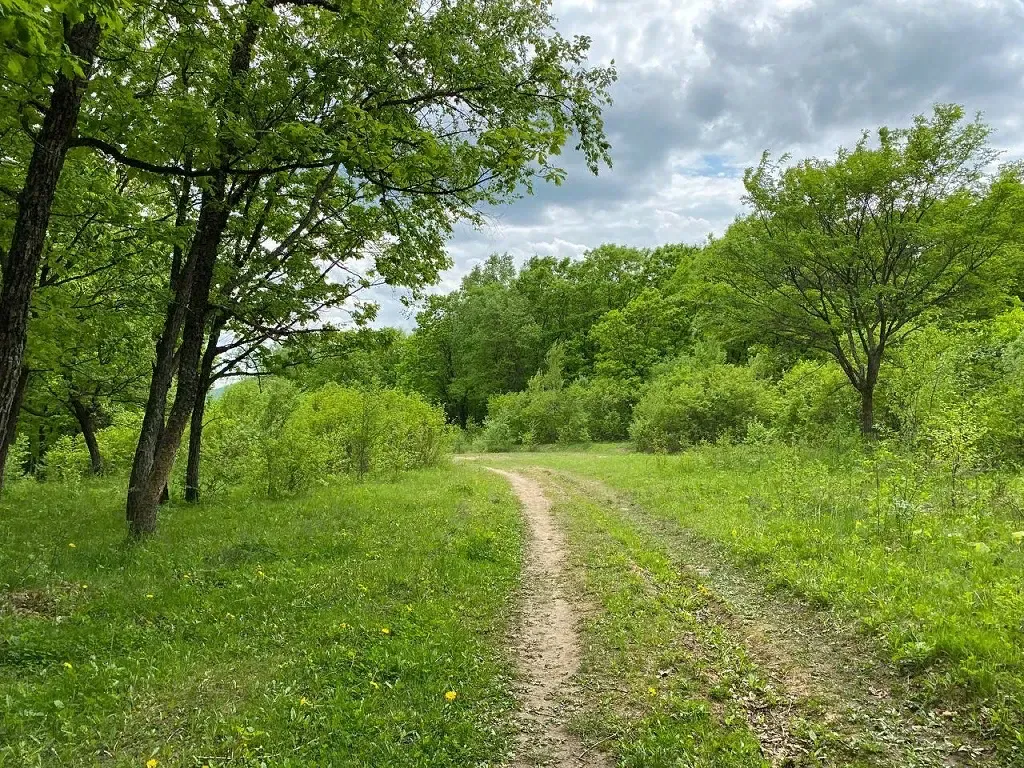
939, 585
329, 630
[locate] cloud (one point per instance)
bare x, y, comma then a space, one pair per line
705, 86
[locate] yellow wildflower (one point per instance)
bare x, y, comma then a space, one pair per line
304, 702
71, 545
652, 691
385, 631
451, 696
67, 665
149, 597
152, 763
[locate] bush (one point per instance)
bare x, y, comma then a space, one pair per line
66, 459
546, 412
814, 399
608, 406
272, 440
534, 417
242, 438
118, 441
17, 457
698, 400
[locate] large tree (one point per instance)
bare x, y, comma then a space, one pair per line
431, 110
47, 52
847, 257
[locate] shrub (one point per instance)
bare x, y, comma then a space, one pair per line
242, 438
607, 405
66, 459
17, 457
698, 400
814, 399
118, 441
270, 439
546, 412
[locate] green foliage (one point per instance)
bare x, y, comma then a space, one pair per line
813, 401
545, 413
608, 404
243, 439
271, 439
550, 412
67, 459
251, 632
632, 340
17, 457
698, 399
876, 537
489, 337
848, 257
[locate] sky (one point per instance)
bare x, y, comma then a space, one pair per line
705, 86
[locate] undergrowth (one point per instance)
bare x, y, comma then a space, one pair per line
930, 565
361, 625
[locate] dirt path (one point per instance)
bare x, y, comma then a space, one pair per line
814, 667
547, 644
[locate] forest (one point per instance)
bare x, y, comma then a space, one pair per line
756, 500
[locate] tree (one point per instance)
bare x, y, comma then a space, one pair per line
429, 111
632, 340
847, 257
39, 49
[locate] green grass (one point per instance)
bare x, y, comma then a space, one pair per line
939, 585
322, 631
647, 658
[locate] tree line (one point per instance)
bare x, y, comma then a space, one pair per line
183, 183
842, 280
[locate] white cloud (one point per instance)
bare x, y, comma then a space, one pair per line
706, 86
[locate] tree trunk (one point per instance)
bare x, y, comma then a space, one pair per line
195, 434
11, 431
159, 441
33, 219
88, 427
152, 468
867, 412
165, 364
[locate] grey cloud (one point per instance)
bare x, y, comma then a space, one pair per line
704, 87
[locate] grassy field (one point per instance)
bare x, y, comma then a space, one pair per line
648, 660
361, 625
932, 572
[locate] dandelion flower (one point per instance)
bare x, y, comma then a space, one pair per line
385, 631
451, 696
152, 763
652, 691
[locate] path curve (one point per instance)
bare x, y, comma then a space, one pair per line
546, 644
